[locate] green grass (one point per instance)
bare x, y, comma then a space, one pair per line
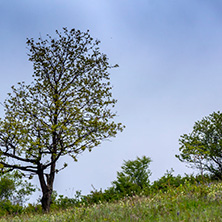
184, 203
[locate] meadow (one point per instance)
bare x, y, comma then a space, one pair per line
186, 202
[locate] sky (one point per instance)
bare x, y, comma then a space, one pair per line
170, 72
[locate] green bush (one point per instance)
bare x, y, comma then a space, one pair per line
14, 188
169, 180
6, 207
33, 208
134, 176
63, 202
13, 193
133, 179
166, 181
98, 196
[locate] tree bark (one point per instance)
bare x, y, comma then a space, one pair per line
47, 188
46, 200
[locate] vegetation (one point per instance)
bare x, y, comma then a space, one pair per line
134, 176
202, 148
187, 202
14, 188
132, 180
170, 198
14, 192
64, 111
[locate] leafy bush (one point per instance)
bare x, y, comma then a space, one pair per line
6, 207
99, 196
134, 176
13, 193
14, 188
168, 180
63, 202
33, 208
7, 187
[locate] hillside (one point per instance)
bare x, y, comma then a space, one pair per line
188, 202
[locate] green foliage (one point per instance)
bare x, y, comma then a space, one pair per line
13, 188
168, 181
202, 148
69, 99
134, 176
99, 196
7, 207
13, 193
7, 187
32, 209
63, 202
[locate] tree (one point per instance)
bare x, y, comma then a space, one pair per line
14, 188
134, 176
64, 111
202, 148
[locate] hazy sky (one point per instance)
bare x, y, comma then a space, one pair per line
170, 74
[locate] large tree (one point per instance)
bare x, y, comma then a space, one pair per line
64, 111
202, 148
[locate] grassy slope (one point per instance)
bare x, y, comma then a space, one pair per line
185, 203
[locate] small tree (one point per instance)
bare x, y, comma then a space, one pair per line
134, 176
64, 111
202, 148
14, 188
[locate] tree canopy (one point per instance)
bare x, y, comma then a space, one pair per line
66, 110
202, 148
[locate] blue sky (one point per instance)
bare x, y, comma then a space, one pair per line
170, 73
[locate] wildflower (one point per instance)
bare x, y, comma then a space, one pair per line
178, 213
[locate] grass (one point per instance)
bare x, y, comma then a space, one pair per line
184, 203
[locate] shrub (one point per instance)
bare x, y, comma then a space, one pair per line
6, 207
134, 176
169, 180
14, 188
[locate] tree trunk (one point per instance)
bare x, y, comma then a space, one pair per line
46, 186
47, 181
46, 200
